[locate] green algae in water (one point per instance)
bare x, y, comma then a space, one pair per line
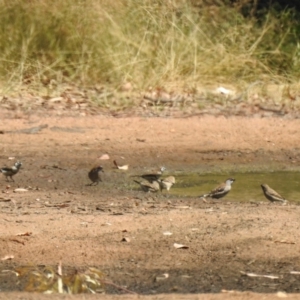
245, 188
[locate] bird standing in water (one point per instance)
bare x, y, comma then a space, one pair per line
220, 191
151, 177
147, 186
167, 182
272, 195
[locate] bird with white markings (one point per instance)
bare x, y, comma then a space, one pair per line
10, 172
220, 191
167, 183
151, 177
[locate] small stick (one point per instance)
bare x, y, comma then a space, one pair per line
118, 287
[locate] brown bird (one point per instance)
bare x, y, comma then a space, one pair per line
149, 186
94, 175
272, 195
222, 190
10, 172
151, 177
167, 182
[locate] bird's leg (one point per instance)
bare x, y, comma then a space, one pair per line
203, 199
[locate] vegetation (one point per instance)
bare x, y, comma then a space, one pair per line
49, 281
148, 43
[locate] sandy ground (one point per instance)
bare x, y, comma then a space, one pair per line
85, 226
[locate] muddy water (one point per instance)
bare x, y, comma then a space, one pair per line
245, 188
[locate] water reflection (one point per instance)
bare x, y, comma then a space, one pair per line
245, 188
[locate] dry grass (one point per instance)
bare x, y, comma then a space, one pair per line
148, 43
51, 281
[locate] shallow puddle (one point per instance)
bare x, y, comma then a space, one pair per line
245, 188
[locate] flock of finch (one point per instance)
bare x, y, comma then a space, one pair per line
154, 182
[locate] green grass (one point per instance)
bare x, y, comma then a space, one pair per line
149, 43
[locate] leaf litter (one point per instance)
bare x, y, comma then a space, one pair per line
124, 167
50, 280
257, 275
180, 246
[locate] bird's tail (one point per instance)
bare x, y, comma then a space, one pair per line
136, 181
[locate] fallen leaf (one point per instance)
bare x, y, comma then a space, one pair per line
10, 271
295, 272
224, 91
125, 239
228, 291
24, 234
20, 190
56, 99
104, 157
162, 277
17, 241
181, 206
285, 242
59, 205
7, 257
180, 246
167, 233
4, 199
106, 224
257, 275
124, 167
281, 294
186, 276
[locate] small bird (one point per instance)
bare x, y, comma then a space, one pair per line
94, 175
10, 172
152, 176
220, 191
167, 182
148, 187
272, 195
